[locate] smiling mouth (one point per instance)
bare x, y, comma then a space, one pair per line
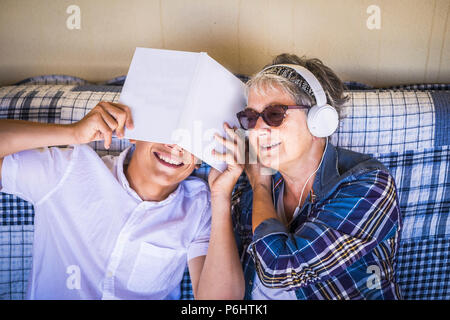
168, 161
268, 147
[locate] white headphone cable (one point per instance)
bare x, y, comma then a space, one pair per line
303, 189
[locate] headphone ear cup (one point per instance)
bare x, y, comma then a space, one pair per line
322, 121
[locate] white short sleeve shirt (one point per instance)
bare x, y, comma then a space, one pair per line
94, 237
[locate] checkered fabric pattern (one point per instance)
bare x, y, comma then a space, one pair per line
353, 85
16, 241
424, 268
408, 132
52, 79
422, 86
406, 129
386, 121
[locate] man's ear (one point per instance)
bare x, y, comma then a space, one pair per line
198, 162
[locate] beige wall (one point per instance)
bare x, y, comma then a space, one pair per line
412, 45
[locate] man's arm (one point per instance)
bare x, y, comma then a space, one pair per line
19, 135
219, 275
98, 124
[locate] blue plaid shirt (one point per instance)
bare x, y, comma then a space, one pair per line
343, 243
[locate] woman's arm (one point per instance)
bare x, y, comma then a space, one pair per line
337, 233
263, 207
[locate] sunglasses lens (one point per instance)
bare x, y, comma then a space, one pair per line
274, 115
247, 119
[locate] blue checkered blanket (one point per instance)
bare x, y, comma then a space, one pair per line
405, 127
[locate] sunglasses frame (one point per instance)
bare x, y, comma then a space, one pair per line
262, 114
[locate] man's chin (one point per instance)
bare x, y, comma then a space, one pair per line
171, 176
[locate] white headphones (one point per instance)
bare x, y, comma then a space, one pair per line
323, 119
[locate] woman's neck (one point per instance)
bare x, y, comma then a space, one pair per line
296, 174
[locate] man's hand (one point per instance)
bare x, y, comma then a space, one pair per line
223, 183
102, 121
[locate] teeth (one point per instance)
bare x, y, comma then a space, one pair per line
270, 145
168, 160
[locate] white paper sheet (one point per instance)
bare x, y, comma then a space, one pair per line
182, 98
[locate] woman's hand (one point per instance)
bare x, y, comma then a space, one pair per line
102, 121
222, 183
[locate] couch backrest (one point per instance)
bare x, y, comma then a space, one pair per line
406, 130
409, 131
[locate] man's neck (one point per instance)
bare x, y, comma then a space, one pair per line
146, 188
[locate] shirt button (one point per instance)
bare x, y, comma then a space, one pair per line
250, 282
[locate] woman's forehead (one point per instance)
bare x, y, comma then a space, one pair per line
268, 96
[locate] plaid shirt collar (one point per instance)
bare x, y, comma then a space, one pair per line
325, 176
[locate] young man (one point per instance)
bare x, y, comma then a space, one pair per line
117, 227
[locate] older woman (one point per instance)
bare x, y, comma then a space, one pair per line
326, 224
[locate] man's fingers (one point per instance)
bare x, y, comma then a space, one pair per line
230, 131
236, 148
233, 149
225, 157
230, 145
129, 120
119, 115
106, 132
109, 120
236, 135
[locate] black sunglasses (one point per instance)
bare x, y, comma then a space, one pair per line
272, 115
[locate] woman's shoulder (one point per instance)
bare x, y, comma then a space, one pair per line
354, 163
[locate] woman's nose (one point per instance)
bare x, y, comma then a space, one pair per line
261, 125
261, 129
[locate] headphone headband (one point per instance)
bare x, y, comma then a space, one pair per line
323, 119
310, 78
